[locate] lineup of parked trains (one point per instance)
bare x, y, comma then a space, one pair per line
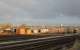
35, 31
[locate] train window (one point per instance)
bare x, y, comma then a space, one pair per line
39, 31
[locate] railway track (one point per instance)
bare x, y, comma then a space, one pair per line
38, 43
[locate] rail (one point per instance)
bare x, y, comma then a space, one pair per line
39, 43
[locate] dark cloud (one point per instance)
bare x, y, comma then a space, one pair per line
41, 9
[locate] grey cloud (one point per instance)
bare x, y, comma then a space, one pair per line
53, 8
25, 4
47, 8
40, 9
6, 9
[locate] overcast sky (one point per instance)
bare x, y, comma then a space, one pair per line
40, 11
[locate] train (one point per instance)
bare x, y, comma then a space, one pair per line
21, 30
